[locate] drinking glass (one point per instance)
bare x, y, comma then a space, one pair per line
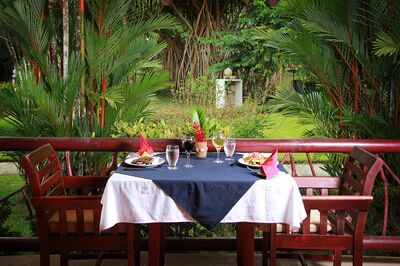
218, 141
229, 148
172, 155
188, 145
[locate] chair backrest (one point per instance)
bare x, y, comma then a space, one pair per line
359, 173
358, 178
44, 172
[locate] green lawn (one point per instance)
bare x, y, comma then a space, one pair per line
18, 221
285, 127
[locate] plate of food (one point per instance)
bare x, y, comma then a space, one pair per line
144, 161
254, 159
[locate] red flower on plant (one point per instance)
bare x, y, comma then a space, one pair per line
198, 131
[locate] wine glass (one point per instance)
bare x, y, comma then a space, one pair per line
188, 145
229, 148
218, 141
172, 155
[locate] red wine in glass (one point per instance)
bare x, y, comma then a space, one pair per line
188, 145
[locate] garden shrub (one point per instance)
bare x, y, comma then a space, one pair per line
375, 214
195, 91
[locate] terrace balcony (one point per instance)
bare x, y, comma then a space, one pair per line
194, 259
213, 251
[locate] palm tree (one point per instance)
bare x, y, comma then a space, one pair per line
119, 68
80, 83
334, 41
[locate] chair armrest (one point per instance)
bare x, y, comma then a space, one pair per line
337, 202
66, 202
85, 181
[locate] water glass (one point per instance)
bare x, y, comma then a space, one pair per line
172, 155
229, 148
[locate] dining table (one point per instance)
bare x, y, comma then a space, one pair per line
208, 193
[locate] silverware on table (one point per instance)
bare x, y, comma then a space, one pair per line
253, 170
140, 169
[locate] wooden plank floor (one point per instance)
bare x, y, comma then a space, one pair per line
192, 259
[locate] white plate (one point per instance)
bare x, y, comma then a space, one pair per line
241, 161
156, 162
136, 154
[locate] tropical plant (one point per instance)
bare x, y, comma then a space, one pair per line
252, 60
186, 52
203, 126
333, 41
348, 47
115, 70
149, 127
63, 91
195, 91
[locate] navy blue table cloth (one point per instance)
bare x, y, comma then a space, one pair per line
207, 192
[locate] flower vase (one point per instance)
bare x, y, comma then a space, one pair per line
201, 149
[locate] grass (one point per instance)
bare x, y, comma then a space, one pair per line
4, 157
285, 127
19, 220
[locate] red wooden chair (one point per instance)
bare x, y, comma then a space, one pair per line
334, 222
65, 221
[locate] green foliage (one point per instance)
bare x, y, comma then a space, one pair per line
5, 211
253, 126
330, 40
196, 230
113, 80
14, 217
151, 128
197, 91
314, 108
375, 214
209, 125
251, 59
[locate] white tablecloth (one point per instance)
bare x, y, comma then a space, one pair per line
128, 199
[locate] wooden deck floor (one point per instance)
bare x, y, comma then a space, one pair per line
191, 259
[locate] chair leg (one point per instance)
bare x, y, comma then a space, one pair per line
44, 254
44, 259
302, 260
266, 247
337, 257
273, 248
137, 246
358, 256
63, 258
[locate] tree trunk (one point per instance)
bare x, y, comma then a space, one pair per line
53, 44
65, 19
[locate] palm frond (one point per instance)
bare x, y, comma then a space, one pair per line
385, 45
313, 107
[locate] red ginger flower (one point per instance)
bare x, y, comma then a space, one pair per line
198, 131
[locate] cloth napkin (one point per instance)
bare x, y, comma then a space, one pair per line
144, 145
269, 168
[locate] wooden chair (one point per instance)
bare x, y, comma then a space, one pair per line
334, 222
68, 222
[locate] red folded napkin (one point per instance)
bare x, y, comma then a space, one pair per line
269, 168
144, 145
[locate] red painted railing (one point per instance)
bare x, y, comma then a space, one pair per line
287, 146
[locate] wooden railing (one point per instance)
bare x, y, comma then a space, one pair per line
287, 146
